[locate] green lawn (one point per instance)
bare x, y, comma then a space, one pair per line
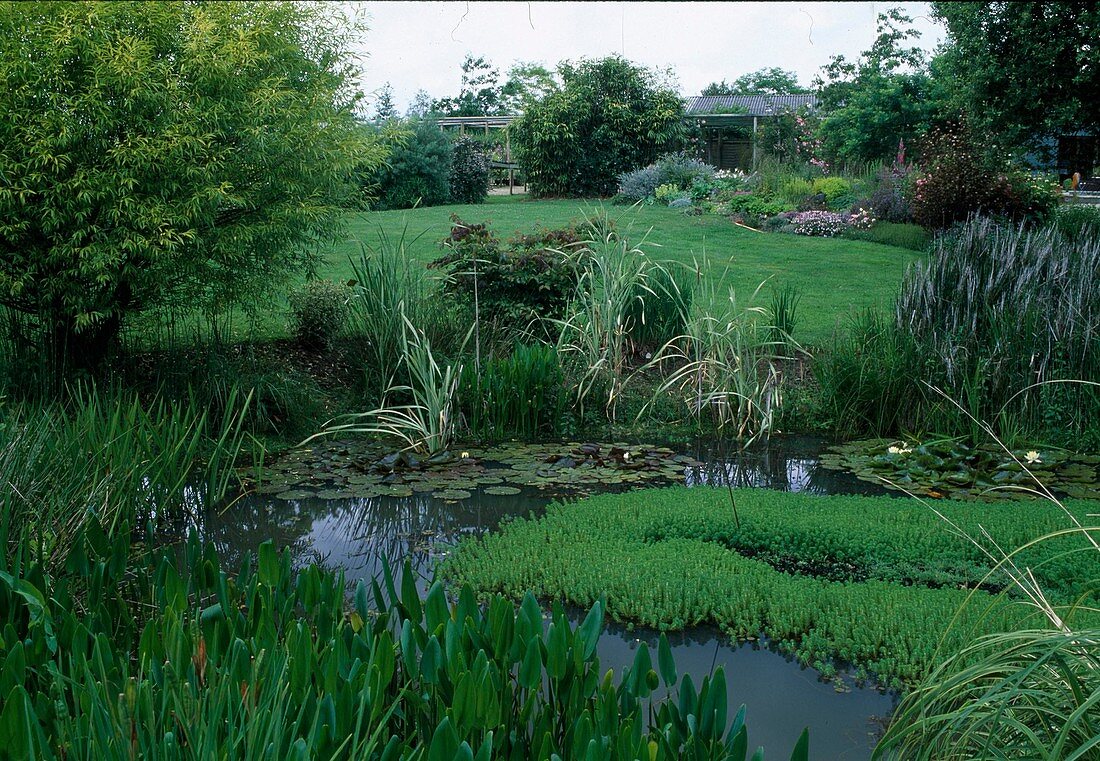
835, 277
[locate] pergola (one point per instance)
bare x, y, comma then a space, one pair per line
487, 123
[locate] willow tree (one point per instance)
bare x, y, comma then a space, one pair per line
161, 154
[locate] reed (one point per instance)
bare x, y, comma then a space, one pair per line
615, 278
115, 459
522, 395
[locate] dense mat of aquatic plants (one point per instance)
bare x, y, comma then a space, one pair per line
346, 469
952, 468
672, 558
170, 656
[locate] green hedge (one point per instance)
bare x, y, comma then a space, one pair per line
673, 558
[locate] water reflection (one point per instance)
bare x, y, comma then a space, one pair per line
785, 463
356, 534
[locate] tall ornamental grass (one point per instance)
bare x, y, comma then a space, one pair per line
1002, 318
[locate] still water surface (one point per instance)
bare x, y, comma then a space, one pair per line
781, 697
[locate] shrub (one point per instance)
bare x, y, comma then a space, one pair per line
889, 204
469, 171
861, 219
796, 189
668, 193
676, 169
959, 181
1078, 221
525, 281
318, 310
418, 172
619, 116
832, 187
824, 224
754, 205
639, 184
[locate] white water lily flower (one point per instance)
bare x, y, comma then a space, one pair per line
899, 450
464, 455
1032, 457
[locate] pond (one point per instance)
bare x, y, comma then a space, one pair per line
782, 698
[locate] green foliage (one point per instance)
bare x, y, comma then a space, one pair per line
673, 558
521, 396
1023, 71
170, 655
318, 310
721, 367
215, 145
609, 117
1078, 221
949, 467
768, 81
426, 424
469, 171
615, 277
480, 94
999, 320
1028, 694
514, 286
868, 105
111, 459
659, 309
912, 237
832, 187
417, 171
753, 205
795, 190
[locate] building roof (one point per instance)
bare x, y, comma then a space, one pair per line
747, 105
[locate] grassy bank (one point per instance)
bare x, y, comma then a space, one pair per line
880, 582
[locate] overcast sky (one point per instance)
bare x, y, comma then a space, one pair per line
421, 45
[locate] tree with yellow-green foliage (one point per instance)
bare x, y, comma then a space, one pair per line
160, 154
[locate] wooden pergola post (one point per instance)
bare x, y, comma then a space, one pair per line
755, 143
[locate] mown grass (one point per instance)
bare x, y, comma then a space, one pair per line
836, 277
890, 595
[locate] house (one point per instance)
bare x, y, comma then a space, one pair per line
729, 124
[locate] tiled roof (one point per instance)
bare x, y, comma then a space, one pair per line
750, 105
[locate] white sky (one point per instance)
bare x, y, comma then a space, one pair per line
421, 45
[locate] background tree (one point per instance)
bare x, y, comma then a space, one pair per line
384, 107
768, 81
609, 117
420, 106
887, 95
159, 154
527, 83
1026, 70
480, 94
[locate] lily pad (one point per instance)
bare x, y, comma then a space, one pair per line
502, 491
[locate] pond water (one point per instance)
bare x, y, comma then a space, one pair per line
781, 697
